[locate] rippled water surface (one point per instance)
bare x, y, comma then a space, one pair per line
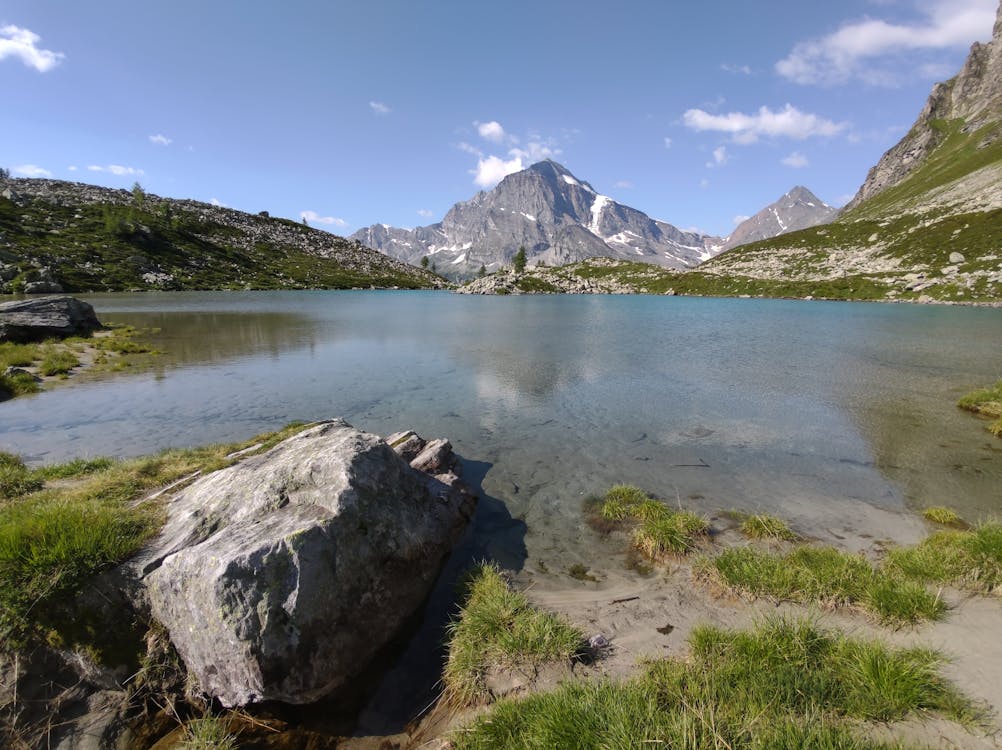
816, 411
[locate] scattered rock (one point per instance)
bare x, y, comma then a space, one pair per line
957, 258
48, 317
280, 577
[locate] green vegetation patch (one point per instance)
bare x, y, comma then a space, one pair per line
784, 684
968, 559
55, 538
208, 733
942, 515
987, 402
764, 526
827, 577
498, 628
535, 285
660, 532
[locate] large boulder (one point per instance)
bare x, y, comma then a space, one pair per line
28, 320
280, 577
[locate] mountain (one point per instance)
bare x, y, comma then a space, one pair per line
925, 225
798, 209
68, 236
554, 215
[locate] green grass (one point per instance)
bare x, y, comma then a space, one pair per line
208, 733
941, 515
497, 627
968, 559
987, 402
673, 534
783, 684
55, 538
108, 247
764, 526
660, 532
57, 360
829, 578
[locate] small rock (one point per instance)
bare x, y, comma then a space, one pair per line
436, 457
957, 258
948, 270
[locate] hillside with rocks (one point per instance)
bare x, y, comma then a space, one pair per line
65, 236
555, 216
926, 225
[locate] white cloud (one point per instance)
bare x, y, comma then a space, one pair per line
704, 183
217, 202
854, 51
720, 157
623, 185
796, 160
788, 122
314, 218
379, 108
30, 170
72, 168
491, 131
160, 140
740, 219
492, 169
667, 142
117, 169
21, 43
742, 69
424, 212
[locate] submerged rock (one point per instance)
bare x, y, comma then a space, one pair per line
281, 577
28, 320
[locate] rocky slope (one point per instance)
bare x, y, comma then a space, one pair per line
798, 209
66, 236
927, 223
554, 215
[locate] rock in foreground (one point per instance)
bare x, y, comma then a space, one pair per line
280, 577
28, 320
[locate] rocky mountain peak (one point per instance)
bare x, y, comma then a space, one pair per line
797, 209
557, 217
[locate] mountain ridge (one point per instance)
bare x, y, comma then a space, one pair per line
557, 217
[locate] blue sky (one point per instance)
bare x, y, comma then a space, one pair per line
390, 111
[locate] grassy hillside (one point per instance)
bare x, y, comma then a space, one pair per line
86, 238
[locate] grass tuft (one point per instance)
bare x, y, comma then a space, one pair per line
497, 627
829, 578
987, 402
941, 515
669, 534
784, 684
56, 360
208, 733
764, 526
968, 559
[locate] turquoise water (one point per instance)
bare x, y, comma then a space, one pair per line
817, 411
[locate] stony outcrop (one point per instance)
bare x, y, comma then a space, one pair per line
281, 577
591, 276
46, 317
557, 217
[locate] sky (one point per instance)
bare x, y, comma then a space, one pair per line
356, 112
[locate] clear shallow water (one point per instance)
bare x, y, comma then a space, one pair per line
820, 412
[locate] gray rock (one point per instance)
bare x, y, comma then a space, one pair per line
280, 578
47, 317
435, 457
948, 270
957, 258
43, 287
407, 444
13, 372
